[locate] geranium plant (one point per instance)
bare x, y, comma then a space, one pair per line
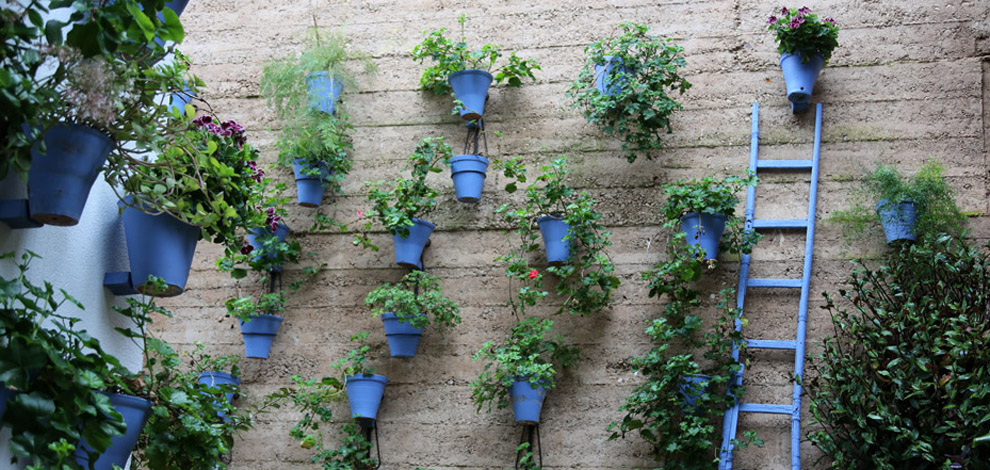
641, 75
801, 32
413, 300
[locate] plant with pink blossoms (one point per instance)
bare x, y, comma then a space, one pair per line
801, 32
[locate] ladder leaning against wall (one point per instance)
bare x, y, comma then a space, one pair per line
731, 422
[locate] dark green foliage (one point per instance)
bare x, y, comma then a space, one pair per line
905, 380
414, 300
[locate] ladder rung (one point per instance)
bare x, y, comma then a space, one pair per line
781, 223
766, 408
786, 283
771, 344
784, 164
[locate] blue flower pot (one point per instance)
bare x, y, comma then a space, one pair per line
136, 412
527, 401
310, 187
704, 232
159, 245
554, 229
324, 91
60, 179
364, 393
692, 386
409, 250
607, 79
180, 100
258, 235
800, 78
215, 379
471, 88
259, 333
403, 338
468, 173
177, 6
899, 220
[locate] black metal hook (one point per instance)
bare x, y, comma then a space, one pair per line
477, 131
528, 433
367, 436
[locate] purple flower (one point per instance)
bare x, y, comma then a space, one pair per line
804, 11
830, 21
784, 11
796, 22
772, 19
246, 249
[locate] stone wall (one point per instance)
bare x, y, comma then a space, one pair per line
907, 83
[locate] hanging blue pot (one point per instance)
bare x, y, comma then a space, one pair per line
409, 250
471, 88
364, 393
258, 235
899, 220
259, 333
323, 91
60, 179
403, 338
158, 245
607, 79
310, 185
554, 229
215, 379
136, 412
704, 231
800, 78
468, 173
177, 6
692, 386
527, 401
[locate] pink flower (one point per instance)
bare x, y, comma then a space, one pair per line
830, 21
533, 274
796, 22
772, 19
784, 11
360, 213
804, 11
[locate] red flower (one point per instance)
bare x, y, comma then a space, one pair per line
533, 274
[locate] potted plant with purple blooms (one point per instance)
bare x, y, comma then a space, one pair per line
805, 43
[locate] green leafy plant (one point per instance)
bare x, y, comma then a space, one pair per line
413, 300
933, 199
586, 281
396, 203
354, 362
904, 381
644, 71
527, 354
246, 308
801, 32
449, 56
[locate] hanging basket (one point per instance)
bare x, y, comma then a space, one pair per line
800, 78
136, 412
158, 245
310, 187
60, 179
899, 220
409, 250
257, 237
554, 230
471, 88
259, 334
403, 338
468, 173
527, 401
364, 393
324, 91
704, 231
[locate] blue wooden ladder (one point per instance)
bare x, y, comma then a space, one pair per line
793, 409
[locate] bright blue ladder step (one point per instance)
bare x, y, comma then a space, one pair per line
783, 283
766, 408
784, 164
780, 223
771, 344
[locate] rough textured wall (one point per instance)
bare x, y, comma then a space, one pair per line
906, 84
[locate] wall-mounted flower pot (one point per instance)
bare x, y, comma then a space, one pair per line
60, 179
159, 245
554, 230
310, 185
259, 333
800, 78
364, 393
606, 76
899, 220
177, 6
215, 379
527, 401
691, 387
471, 88
324, 91
409, 250
468, 173
258, 235
136, 412
403, 338
704, 231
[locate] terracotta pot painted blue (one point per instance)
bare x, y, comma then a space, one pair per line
403, 338
471, 88
527, 401
324, 91
692, 386
310, 187
258, 235
606, 76
177, 6
899, 220
704, 231
259, 333
468, 173
364, 393
800, 77
215, 379
159, 245
554, 229
136, 412
60, 179
409, 250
